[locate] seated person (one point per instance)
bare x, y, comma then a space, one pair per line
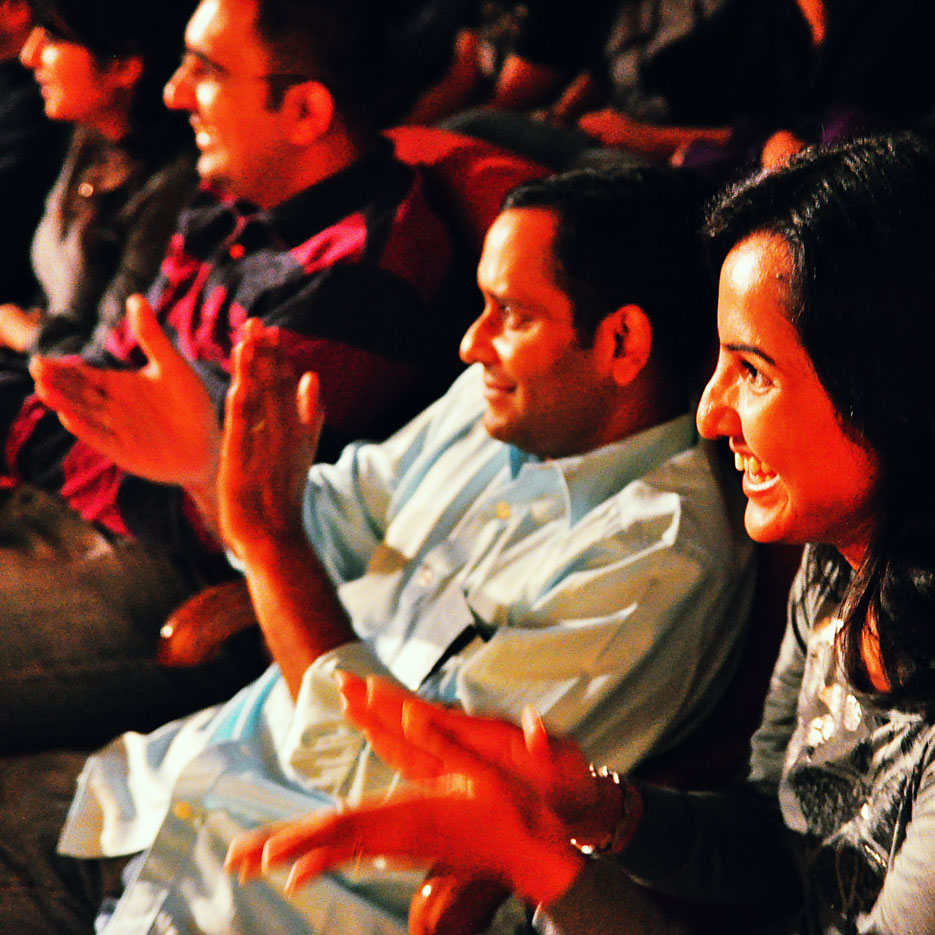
570, 73
832, 830
549, 532
128, 172
311, 224
32, 148
727, 83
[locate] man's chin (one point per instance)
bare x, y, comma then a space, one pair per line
497, 427
210, 174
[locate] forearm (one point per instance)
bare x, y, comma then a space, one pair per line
602, 899
660, 142
728, 846
581, 95
295, 603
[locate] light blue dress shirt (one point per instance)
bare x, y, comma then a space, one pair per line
608, 589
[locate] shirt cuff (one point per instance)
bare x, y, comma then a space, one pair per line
321, 749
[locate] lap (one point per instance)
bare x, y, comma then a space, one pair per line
42, 893
79, 625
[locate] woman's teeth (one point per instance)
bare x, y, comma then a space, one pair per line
757, 470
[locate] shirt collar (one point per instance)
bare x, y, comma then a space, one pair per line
322, 205
594, 476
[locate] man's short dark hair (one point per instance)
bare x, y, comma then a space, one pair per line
632, 237
341, 43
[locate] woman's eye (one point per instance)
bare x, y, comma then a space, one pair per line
753, 375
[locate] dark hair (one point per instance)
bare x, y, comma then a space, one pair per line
632, 237
858, 221
111, 29
341, 43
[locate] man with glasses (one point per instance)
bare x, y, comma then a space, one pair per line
307, 221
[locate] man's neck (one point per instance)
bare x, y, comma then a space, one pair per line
314, 166
651, 400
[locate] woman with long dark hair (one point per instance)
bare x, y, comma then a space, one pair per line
823, 389
101, 66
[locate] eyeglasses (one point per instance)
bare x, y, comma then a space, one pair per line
199, 67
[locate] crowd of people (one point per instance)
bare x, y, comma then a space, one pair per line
369, 629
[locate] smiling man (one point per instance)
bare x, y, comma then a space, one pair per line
307, 221
550, 532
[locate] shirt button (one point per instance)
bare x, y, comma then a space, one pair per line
183, 811
542, 511
503, 510
237, 251
426, 576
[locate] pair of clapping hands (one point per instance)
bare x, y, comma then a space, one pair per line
489, 801
160, 424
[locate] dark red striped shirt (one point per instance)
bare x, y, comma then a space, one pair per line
358, 272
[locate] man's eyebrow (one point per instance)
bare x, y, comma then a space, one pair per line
750, 349
204, 59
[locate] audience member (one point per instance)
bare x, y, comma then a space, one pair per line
724, 84
128, 171
321, 231
580, 70
832, 832
31, 152
549, 532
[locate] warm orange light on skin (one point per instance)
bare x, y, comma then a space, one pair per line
805, 479
545, 392
77, 88
243, 143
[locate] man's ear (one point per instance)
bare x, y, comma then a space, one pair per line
310, 109
626, 339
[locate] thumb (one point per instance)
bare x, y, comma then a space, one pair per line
310, 406
535, 735
153, 340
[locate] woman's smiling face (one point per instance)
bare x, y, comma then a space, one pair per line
805, 478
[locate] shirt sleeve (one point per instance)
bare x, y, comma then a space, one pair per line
347, 505
907, 901
625, 652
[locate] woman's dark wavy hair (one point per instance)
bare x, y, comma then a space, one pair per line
859, 220
112, 29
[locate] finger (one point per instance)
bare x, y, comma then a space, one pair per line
267, 388
153, 340
375, 706
484, 749
535, 735
310, 407
372, 701
491, 738
313, 864
68, 383
245, 853
240, 406
409, 825
94, 431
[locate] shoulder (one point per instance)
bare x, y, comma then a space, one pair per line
703, 505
